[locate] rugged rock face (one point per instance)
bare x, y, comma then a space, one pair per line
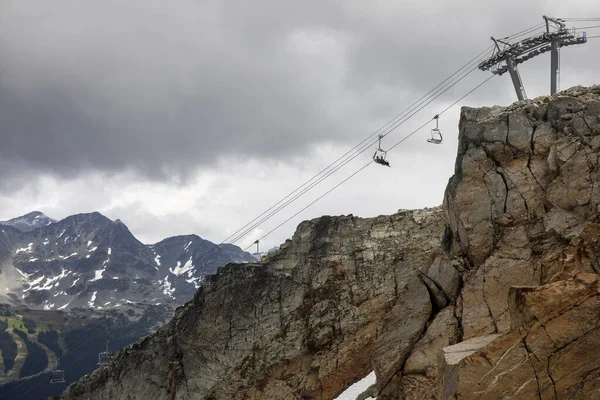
305, 324
537, 223
522, 206
551, 352
496, 299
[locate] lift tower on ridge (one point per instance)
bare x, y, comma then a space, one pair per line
509, 55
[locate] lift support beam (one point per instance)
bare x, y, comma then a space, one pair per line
507, 58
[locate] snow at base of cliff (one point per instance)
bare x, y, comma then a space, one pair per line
359, 387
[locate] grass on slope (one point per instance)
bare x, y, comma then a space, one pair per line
44, 320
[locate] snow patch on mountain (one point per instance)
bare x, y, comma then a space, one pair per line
179, 270
196, 281
93, 299
98, 274
50, 282
167, 289
34, 283
23, 273
27, 249
67, 257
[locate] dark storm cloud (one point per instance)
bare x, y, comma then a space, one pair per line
164, 88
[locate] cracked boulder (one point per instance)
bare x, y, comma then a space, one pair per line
551, 352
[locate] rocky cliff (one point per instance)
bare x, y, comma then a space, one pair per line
303, 324
523, 211
491, 296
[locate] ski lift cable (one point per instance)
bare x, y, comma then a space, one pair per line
22, 395
447, 108
587, 27
361, 147
348, 158
527, 31
369, 163
356, 153
336, 165
408, 109
581, 19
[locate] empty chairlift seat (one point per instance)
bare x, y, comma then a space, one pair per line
436, 135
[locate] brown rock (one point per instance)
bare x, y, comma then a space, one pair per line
308, 323
442, 272
551, 352
449, 360
441, 333
401, 330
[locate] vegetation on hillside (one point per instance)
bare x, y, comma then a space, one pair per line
37, 359
8, 347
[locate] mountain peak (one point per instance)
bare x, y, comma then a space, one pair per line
29, 221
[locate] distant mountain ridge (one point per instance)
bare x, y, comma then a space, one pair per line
29, 222
90, 261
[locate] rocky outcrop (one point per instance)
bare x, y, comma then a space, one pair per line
552, 351
343, 296
523, 210
522, 205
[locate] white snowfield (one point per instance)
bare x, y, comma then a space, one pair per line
27, 249
359, 387
179, 270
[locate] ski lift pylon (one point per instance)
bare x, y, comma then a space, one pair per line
57, 375
380, 159
436, 135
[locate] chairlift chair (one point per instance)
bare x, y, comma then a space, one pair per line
57, 375
436, 135
380, 159
105, 357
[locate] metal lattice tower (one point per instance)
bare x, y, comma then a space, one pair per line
508, 55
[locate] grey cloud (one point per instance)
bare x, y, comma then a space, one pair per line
165, 90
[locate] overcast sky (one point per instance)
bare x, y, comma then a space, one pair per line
194, 117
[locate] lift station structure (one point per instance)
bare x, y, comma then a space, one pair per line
507, 56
